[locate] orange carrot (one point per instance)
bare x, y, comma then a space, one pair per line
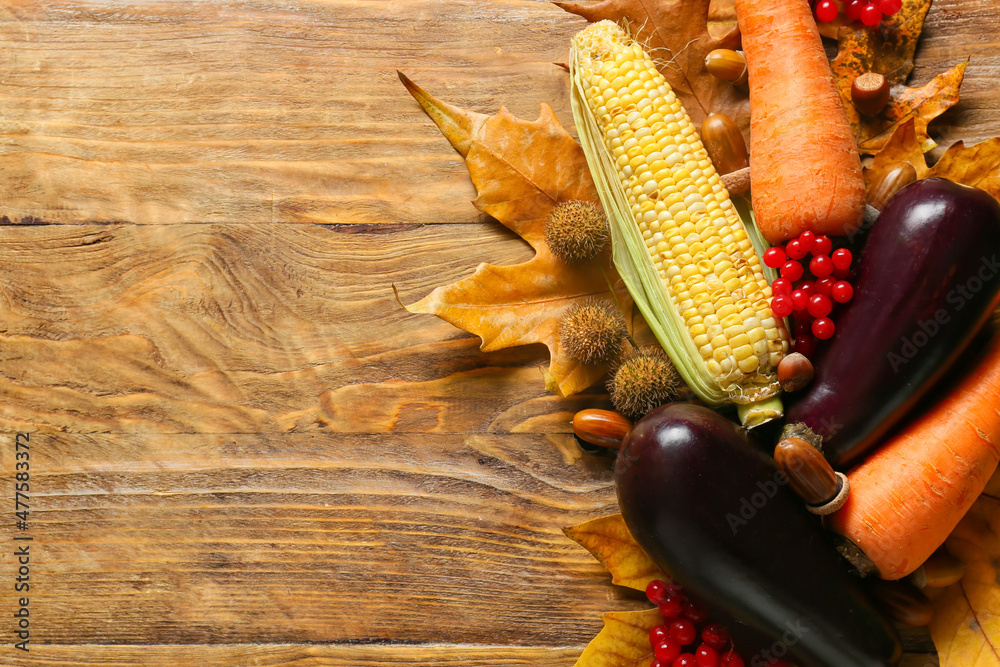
911, 494
805, 171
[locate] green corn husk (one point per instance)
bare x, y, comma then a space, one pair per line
757, 403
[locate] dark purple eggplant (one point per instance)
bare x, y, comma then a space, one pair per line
709, 507
928, 279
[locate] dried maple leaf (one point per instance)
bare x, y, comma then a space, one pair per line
888, 50
625, 637
624, 641
521, 170
977, 165
966, 622
608, 539
831, 29
676, 32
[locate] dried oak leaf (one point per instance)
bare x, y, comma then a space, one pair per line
676, 32
888, 50
901, 147
831, 29
610, 542
521, 170
624, 641
977, 165
922, 104
966, 622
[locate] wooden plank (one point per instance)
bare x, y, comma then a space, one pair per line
287, 112
330, 538
324, 656
241, 328
355, 541
956, 30
283, 655
258, 111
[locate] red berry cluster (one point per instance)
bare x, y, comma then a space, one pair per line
675, 642
809, 298
869, 12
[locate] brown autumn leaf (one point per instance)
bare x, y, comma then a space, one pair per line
888, 50
521, 170
831, 29
610, 542
676, 33
922, 104
977, 165
624, 641
966, 622
901, 147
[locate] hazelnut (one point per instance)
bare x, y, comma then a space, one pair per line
870, 93
795, 371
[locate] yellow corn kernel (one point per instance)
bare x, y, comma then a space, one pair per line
712, 278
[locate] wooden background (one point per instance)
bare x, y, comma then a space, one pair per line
244, 451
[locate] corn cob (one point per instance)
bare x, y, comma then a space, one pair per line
678, 241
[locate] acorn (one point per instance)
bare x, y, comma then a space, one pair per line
903, 602
891, 182
727, 65
644, 380
592, 332
576, 231
724, 143
810, 476
601, 427
939, 571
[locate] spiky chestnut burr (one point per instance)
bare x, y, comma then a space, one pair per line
644, 380
576, 231
592, 332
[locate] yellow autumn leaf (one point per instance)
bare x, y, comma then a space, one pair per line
608, 539
977, 165
966, 623
889, 51
922, 104
521, 171
624, 641
901, 147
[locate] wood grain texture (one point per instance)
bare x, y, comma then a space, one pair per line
282, 655
240, 328
245, 451
258, 111
192, 538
